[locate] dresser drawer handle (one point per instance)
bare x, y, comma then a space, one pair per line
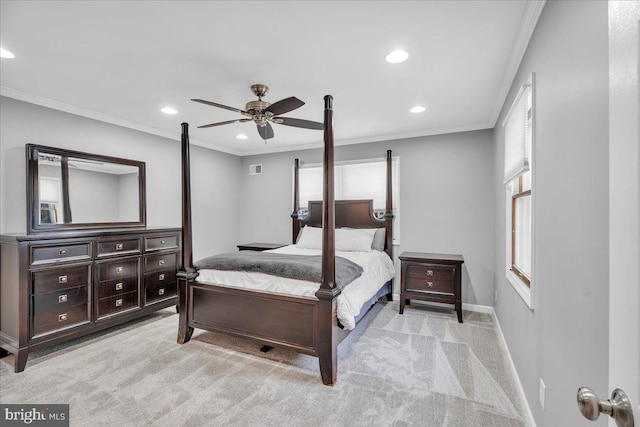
162, 242
161, 291
62, 279
119, 246
62, 317
118, 269
62, 252
429, 272
429, 284
119, 302
119, 286
161, 277
62, 298
161, 262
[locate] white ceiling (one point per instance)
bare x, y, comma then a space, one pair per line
121, 62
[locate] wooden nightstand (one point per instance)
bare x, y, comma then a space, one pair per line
431, 277
260, 246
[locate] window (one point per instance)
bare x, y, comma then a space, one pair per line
365, 179
518, 179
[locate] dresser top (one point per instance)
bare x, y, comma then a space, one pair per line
431, 257
101, 232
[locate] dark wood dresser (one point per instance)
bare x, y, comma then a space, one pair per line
56, 286
431, 277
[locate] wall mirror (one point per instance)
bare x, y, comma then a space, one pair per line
73, 190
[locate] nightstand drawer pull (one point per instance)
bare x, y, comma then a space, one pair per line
62, 317
430, 273
161, 277
118, 269
62, 252
429, 284
119, 246
62, 298
161, 262
119, 286
161, 291
119, 302
62, 279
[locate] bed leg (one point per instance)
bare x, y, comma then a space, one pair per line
327, 347
184, 331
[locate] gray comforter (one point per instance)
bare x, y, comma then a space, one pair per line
301, 267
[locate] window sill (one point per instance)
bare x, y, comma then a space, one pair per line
521, 288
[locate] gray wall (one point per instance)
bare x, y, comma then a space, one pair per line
564, 340
446, 187
214, 175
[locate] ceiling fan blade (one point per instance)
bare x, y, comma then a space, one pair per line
284, 105
224, 123
266, 132
299, 123
213, 104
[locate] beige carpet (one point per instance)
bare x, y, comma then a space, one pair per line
422, 368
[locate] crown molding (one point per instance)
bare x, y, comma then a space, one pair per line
83, 112
528, 23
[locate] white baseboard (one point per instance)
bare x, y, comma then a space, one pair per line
523, 396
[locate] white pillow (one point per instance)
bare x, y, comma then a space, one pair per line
347, 239
310, 238
354, 239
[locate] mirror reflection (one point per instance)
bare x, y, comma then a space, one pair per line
72, 190
95, 191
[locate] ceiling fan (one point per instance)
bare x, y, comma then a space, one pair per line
261, 113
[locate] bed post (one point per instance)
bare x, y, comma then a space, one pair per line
296, 200
327, 343
388, 214
187, 273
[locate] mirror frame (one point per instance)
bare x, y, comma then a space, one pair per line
33, 196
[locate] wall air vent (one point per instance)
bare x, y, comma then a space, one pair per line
255, 169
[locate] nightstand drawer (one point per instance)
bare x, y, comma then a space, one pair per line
430, 278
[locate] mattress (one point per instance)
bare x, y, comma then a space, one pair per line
377, 270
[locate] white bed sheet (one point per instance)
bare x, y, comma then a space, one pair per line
377, 270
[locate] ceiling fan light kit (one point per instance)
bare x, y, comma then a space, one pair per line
262, 112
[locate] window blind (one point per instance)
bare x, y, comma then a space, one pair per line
517, 136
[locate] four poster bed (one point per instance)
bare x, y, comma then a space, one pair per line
305, 321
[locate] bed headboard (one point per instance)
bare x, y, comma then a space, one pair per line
348, 213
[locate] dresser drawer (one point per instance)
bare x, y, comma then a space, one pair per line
62, 318
115, 304
430, 278
60, 278
161, 262
60, 300
160, 291
117, 247
118, 269
159, 278
159, 243
57, 253
115, 287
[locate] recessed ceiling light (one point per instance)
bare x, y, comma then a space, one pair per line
397, 56
242, 136
417, 109
169, 110
6, 54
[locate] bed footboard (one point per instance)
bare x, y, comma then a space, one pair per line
269, 318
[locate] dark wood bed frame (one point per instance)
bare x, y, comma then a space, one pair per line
304, 324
